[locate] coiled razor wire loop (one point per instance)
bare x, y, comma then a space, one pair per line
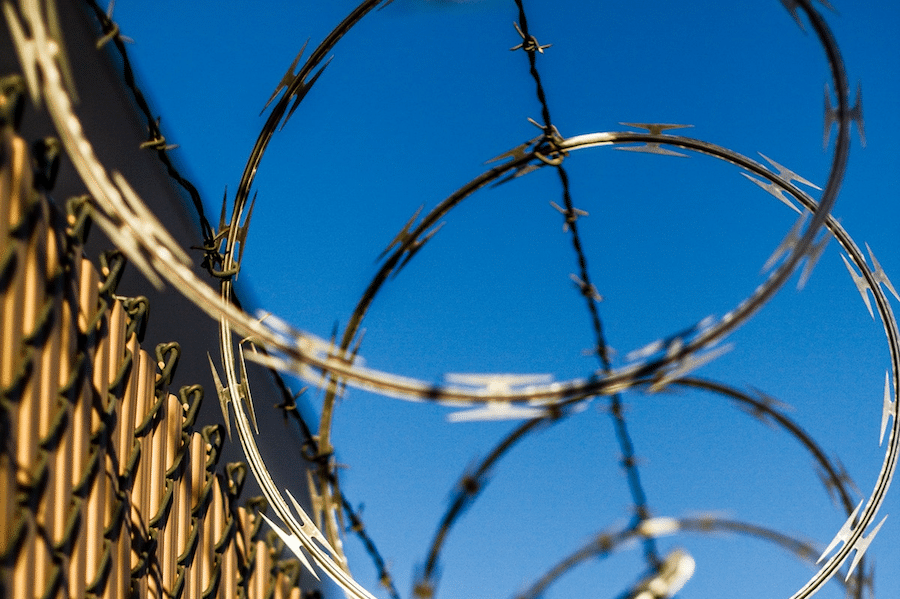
139, 235
606, 543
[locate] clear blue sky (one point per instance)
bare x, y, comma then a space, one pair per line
416, 99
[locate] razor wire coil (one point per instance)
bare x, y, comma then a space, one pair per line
124, 218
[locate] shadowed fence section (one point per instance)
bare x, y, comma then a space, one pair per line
106, 489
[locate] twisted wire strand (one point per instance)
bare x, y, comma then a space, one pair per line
626, 445
157, 140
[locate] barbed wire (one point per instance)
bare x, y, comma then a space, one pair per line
587, 288
126, 220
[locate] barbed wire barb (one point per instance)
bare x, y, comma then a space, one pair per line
529, 42
854, 114
889, 408
402, 235
812, 258
570, 215
879, 275
222, 393
287, 78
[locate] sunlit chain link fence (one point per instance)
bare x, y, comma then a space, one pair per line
107, 488
538, 400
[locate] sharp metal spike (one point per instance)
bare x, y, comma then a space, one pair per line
815, 252
301, 93
315, 498
355, 351
586, 289
529, 43
535, 123
571, 215
861, 285
757, 413
401, 236
880, 275
497, 410
787, 174
651, 148
517, 153
656, 128
690, 363
242, 230
309, 528
861, 546
293, 543
889, 408
224, 396
843, 534
497, 384
769, 401
675, 346
414, 249
431, 233
787, 244
791, 6
854, 114
222, 223
646, 351
528, 168
287, 78
558, 208
776, 191
245, 388
416, 246
655, 346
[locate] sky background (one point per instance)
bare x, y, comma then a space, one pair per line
417, 98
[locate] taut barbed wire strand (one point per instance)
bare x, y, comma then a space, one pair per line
125, 219
591, 295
